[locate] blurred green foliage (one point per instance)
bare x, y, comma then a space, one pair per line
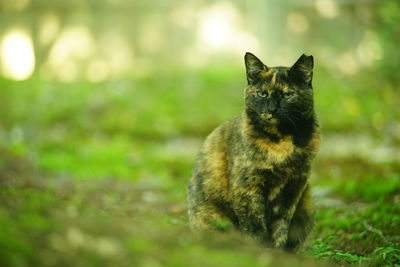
95, 173
96, 133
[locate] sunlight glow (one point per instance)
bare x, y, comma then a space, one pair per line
215, 30
78, 54
327, 8
17, 55
219, 29
74, 42
73, 47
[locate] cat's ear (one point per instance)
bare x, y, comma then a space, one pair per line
302, 70
254, 67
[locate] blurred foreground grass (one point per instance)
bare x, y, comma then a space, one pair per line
96, 174
59, 221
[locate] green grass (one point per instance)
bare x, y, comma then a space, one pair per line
56, 220
363, 227
96, 174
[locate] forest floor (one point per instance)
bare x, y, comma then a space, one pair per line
96, 175
56, 220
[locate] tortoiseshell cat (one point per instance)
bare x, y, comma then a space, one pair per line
253, 169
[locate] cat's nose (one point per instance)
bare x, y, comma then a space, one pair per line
272, 108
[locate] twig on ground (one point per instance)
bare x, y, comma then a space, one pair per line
374, 230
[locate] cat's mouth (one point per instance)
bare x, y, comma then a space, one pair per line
269, 118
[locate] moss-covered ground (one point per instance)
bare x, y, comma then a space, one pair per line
96, 174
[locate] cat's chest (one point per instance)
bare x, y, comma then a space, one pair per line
265, 154
270, 159
275, 153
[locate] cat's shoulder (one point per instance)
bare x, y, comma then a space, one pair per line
224, 134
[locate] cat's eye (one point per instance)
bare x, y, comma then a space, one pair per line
288, 94
262, 93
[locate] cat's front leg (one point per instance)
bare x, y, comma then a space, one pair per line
301, 223
250, 216
283, 212
279, 233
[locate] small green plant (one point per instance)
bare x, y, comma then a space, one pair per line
322, 249
388, 256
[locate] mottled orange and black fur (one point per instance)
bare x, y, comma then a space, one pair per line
253, 169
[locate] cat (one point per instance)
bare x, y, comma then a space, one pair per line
253, 169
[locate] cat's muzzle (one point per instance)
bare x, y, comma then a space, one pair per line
266, 116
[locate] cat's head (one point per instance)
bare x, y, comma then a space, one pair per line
281, 96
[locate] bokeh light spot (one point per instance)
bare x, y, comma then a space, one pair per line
216, 26
327, 8
221, 29
49, 29
347, 63
369, 49
297, 22
17, 55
